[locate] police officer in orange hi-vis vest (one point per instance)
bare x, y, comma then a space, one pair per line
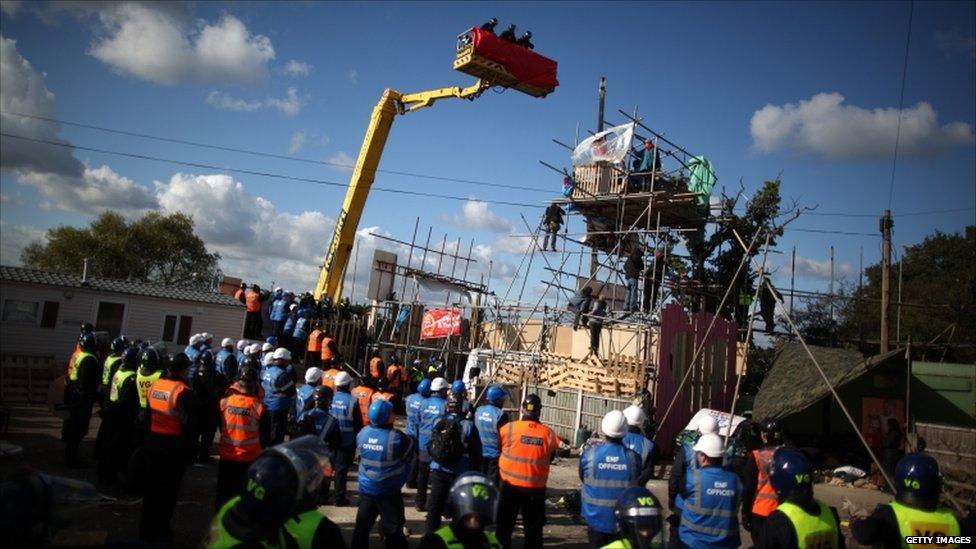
527, 449
245, 429
759, 497
169, 449
329, 352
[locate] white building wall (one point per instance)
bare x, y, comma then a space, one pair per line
144, 318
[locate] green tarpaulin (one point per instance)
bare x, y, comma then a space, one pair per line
702, 178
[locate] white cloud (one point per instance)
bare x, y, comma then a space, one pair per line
955, 42
341, 161
352, 75
476, 215
513, 244
297, 142
15, 239
812, 268
825, 126
297, 69
289, 105
97, 190
153, 43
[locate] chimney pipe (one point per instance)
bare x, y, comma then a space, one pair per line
84, 273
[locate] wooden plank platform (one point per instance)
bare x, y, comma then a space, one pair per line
616, 375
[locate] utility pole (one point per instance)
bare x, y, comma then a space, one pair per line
792, 280
886, 225
594, 264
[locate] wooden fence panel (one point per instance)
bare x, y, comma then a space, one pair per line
25, 378
955, 450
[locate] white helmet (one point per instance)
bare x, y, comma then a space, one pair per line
253, 349
342, 379
277, 288
707, 425
242, 345
281, 354
266, 347
635, 415
709, 444
207, 336
292, 307
614, 424
313, 375
227, 342
439, 384
196, 339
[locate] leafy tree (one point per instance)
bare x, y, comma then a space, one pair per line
938, 294
156, 248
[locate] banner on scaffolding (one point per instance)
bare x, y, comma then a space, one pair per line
610, 145
441, 323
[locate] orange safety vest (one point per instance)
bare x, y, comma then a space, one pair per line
164, 398
397, 374
253, 302
527, 449
240, 427
314, 342
364, 395
74, 355
375, 364
327, 349
328, 377
765, 502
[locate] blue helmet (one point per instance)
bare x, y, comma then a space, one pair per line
380, 412
273, 340
917, 481
639, 519
423, 388
119, 344
132, 356
458, 388
790, 473
496, 394
88, 342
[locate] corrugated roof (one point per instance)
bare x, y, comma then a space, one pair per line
73, 280
793, 383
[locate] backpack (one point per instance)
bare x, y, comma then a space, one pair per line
445, 444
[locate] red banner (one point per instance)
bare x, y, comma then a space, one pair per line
440, 323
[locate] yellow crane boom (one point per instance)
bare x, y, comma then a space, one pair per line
390, 104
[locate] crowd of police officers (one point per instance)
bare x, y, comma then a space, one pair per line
474, 464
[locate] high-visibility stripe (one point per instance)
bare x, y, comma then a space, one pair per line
706, 529
164, 408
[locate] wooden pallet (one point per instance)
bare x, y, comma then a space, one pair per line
618, 375
26, 378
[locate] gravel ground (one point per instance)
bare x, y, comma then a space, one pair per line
38, 433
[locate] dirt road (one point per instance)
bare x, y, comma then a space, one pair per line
37, 432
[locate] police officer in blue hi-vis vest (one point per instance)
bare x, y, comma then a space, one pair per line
433, 410
226, 360
711, 498
915, 510
606, 469
684, 461
414, 404
279, 393
384, 457
489, 419
636, 441
800, 520
443, 473
303, 399
345, 408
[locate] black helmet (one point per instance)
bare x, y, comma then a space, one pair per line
532, 406
119, 344
454, 404
772, 427
638, 515
88, 343
179, 363
383, 383
87, 328
150, 359
473, 493
790, 473
248, 377
323, 396
284, 481
917, 481
131, 357
207, 359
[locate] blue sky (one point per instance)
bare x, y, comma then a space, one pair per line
805, 90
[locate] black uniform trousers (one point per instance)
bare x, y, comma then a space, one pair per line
279, 426
392, 519
531, 502
230, 479
440, 489
423, 480
343, 461
209, 420
75, 427
489, 466
166, 458
414, 467
598, 539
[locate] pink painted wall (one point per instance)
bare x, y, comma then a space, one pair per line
681, 334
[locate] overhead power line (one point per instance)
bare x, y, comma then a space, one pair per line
901, 101
265, 174
272, 155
